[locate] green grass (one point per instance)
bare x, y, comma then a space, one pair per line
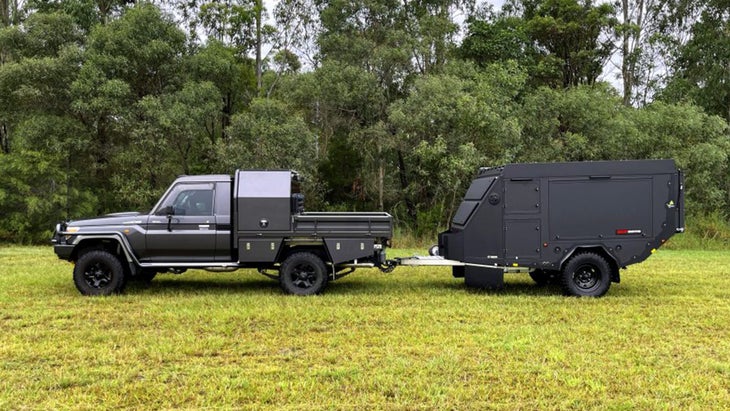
413, 339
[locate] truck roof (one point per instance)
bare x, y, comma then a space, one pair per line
204, 178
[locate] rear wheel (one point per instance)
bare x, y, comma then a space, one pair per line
587, 275
99, 273
303, 274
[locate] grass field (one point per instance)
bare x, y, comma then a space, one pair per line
413, 339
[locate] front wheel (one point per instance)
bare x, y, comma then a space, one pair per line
587, 275
99, 273
303, 274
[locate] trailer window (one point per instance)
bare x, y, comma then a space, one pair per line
464, 212
478, 188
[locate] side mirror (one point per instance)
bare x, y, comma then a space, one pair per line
168, 211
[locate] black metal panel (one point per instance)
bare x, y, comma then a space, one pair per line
264, 214
255, 250
344, 224
596, 209
522, 196
483, 236
347, 249
522, 241
484, 277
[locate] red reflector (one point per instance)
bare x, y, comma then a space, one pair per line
623, 231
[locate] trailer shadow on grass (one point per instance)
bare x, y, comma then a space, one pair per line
440, 286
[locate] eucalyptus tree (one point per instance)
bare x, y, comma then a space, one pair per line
562, 43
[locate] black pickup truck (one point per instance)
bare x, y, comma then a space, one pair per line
254, 219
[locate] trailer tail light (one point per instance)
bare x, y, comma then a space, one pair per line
623, 231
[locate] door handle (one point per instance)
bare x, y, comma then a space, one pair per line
204, 226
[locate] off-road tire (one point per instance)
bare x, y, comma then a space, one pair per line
99, 273
586, 275
303, 274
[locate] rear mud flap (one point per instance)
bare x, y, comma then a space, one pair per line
484, 277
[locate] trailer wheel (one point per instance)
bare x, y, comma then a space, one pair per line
99, 273
303, 274
544, 277
587, 275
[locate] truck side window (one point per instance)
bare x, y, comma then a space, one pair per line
190, 199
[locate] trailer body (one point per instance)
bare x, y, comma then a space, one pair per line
543, 216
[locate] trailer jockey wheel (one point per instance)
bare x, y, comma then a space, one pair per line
303, 274
586, 275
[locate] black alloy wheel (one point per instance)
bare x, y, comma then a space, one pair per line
98, 273
303, 274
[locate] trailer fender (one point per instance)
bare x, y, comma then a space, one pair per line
600, 250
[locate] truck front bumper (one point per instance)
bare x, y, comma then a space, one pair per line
63, 251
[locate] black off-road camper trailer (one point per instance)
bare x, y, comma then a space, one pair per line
577, 223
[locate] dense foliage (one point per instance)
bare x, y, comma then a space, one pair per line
380, 104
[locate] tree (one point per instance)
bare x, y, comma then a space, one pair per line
268, 136
448, 126
701, 71
122, 65
234, 77
563, 43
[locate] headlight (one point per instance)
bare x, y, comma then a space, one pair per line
72, 229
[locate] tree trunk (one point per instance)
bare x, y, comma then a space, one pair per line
410, 207
625, 74
259, 10
4, 139
381, 183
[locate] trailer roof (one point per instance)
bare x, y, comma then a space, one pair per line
584, 168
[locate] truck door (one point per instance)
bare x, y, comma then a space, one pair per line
189, 234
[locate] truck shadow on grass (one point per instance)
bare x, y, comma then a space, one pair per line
204, 286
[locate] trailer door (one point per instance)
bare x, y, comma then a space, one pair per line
522, 221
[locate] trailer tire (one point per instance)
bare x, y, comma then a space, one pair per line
586, 275
544, 277
303, 273
99, 272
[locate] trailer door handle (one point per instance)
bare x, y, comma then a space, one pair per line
600, 177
